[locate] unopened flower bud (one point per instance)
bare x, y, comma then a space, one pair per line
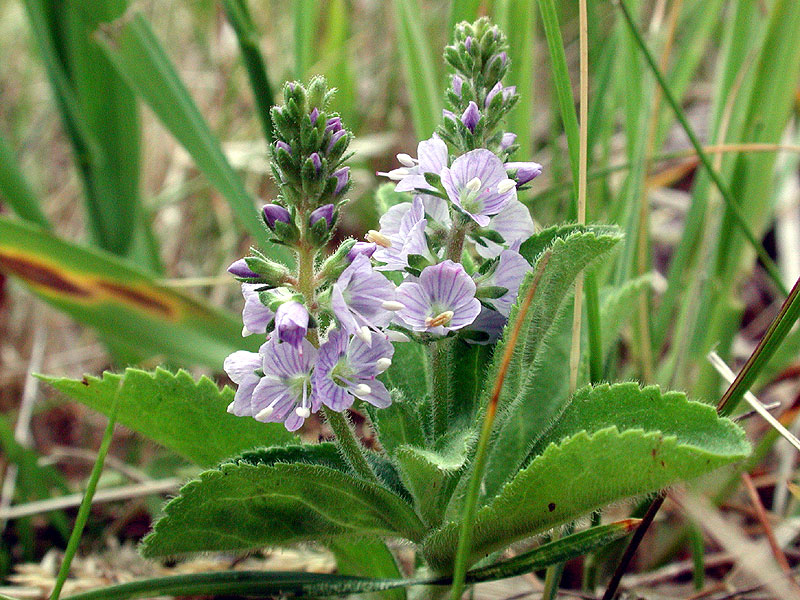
333, 124
240, 269
337, 135
507, 140
342, 179
457, 85
523, 172
316, 161
366, 248
314, 115
274, 213
471, 116
291, 323
323, 212
281, 145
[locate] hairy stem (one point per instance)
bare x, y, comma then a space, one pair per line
440, 370
348, 443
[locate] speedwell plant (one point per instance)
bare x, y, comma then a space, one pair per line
452, 318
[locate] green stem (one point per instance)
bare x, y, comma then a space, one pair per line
455, 243
86, 503
593, 327
348, 443
440, 372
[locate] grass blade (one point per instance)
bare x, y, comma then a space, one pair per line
137, 54
466, 10
305, 13
16, 191
426, 109
239, 16
122, 302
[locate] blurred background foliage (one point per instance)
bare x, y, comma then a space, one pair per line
133, 162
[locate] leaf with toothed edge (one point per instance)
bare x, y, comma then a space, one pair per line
174, 410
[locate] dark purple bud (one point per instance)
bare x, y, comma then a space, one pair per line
323, 212
315, 160
468, 43
523, 172
365, 248
471, 116
314, 116
335, 138
274, 213
333, 124
342, 177
457, 83
291, 323
240, 269
281, 145
508, 140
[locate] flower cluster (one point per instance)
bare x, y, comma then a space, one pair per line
445, 263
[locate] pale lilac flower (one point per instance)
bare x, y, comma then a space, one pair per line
255, 316
513, 223
242, 367
508, 273
523, 172
507, 140
314, 116
402, 233
284, 393
471, 116
239, 268
281, 145
323, 212
337, 135
431, 158
316, 161
458, 83
442, 300
449, 114
478, 185
347, 370
291, 323
274, 213
333, 124
498, 88
342, 178
468, 43
363, 300
365, 248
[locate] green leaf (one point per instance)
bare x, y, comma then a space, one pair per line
134, 50
419, 67
261, 584
533, 393
15, 190
469, 366
325, 454
398, 424
242, 506
368, 558
539, 242
618, 306
601, 467
409, 371
431, 476
179, 413
122, 302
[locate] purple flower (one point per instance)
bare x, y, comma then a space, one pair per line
513, 223
443, 299
457, 84
255, 315
508, 273
281, 145
291, 323
523, 172
431, 158
365, 248
477, 184
346, 371
239, 268
449, 114
498, 88
471, 116
337, 135
274, 213
333, 124
323, 212
314, 116
315, 160
402, 234
284, 393
241, 367
507, 140
468, 43
342, 178
362, 299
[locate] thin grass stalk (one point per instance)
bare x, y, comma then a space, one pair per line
730, 202
239, 16
473, 489
86, 505
16, 189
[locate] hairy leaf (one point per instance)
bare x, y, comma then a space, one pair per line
399, 424
184, 415
242, 506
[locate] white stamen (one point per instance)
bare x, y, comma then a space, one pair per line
364, 334
506, 186
376, 237
474, 184
362, 389
392, 305
265, 413
246, 332
382, 364
440, 319
396, 336
302, 412
230, 406
406, 160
